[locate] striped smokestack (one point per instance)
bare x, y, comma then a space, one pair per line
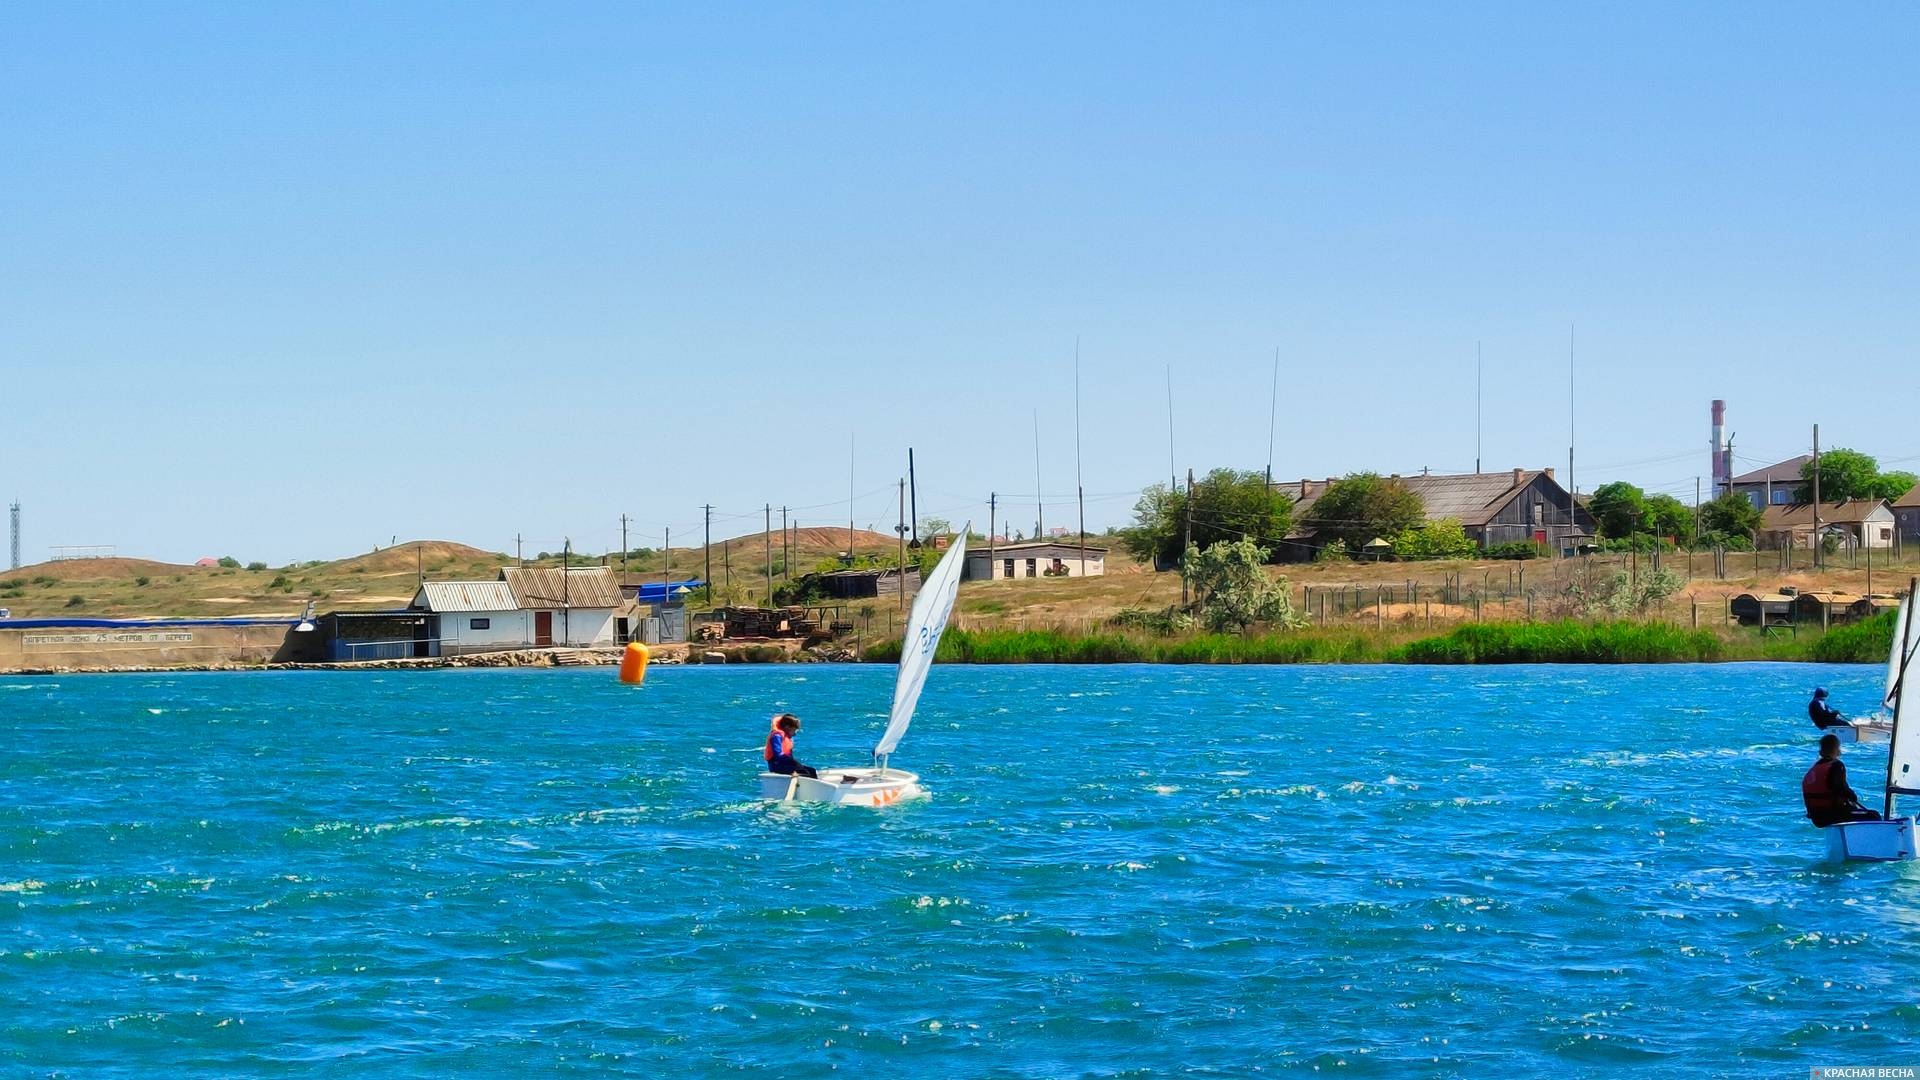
1719, 462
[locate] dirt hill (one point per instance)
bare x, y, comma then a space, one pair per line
99, 570
409, 557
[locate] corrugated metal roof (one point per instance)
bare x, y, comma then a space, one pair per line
1780, 472
1910, 499
1023, 547
465, 596
1471, 498
544, 587
1800, 515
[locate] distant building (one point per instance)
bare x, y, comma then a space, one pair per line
473, 616
1773, 485
1516, 506
1867, 523
1906, 516
1045, 558
567, 607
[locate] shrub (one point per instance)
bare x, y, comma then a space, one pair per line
280, 582
76, 601
228, 562
256, 566
1564, 642
142, 581
13, 583
1162, 621
1518, 549
44, 580
1864, 642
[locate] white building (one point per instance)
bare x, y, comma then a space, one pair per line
474, 616
1867, 523
571, 607
1034, 559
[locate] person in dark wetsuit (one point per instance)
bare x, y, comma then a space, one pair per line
1822, 714
779, 748
1824, 789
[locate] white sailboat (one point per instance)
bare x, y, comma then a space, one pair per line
1879, 727
1892, 839
878, 784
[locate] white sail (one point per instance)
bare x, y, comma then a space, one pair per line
1903, 750
925, 623
1901, 631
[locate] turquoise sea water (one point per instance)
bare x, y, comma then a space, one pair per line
1123, 871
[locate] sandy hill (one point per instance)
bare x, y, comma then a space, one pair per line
436, 556
99, 570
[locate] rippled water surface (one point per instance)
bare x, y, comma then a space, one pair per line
1122, 871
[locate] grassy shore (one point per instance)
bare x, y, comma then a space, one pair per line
1563, 642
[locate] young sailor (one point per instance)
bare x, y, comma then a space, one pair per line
1821, 713
1824, 789
779, 748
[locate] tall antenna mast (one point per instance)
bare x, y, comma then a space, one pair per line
1273, 412
1173, 477
13, 523
1476, 410
1039, 504
850, 498
1572, 519
1080, 488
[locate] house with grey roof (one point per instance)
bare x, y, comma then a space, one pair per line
1906, 516
1773, 485
1516, 506
1867, 523
473, 616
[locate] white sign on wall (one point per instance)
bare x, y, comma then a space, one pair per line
112, 637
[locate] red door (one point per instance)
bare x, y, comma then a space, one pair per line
543, 628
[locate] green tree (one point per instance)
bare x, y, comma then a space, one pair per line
1228, 504
229, 562
1443, 539
1619, 508
1232, 588
1844, 474
1727, 517
1362, 507
1669, 517
1891, 485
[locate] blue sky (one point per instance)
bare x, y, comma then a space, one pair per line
286, 281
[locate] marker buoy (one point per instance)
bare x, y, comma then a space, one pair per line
633, 664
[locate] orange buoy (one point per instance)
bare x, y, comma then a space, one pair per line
633, 664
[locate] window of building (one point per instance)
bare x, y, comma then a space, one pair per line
1780, 496
479, 624
1886, 533
1008, 569
1033, 567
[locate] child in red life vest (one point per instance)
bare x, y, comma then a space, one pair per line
1825, 790
779, 748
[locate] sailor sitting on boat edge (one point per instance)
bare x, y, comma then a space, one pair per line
779, 748
1824, 788
1821, 713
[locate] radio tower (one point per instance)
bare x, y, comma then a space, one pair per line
13, 520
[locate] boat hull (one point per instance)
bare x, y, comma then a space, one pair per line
1862, 731
1870, 841
847, 787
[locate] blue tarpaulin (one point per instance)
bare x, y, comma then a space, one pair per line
659, 591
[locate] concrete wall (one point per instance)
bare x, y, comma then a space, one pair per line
580, 626
89, 648
505, 630
980, 568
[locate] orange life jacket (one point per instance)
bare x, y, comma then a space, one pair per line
1820, 799
779, 744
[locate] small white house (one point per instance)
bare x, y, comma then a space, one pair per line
1034, 559
474, 616
571, 607
1867, 523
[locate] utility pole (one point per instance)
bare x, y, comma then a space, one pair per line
706, 545
666, 561
1696, 528
1476, 411
993, 510
1039, 504
518, 555
566, 593
786, 552
623, 545
766, 545
420, 562
1186, 537
900, 534
1816, 498
913, 501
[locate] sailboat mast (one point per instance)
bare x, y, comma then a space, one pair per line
1905, 646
